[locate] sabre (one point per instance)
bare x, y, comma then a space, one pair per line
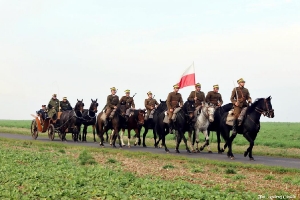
237, 97
134, 95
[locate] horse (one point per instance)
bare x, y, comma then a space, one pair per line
135, 122
184, 123
203, 120
89, 119
150, 122
250, 125
71, 120
160, 128
215, 125
116, 123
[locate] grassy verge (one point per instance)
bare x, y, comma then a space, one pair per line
30, 168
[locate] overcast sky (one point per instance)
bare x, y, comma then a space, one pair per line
80, 49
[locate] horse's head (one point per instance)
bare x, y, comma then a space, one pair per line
263, 106
79, 105
189, 108
162, 106
94, 106
209, 111
122, 108
141, 117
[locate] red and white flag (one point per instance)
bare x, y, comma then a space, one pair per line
188, 77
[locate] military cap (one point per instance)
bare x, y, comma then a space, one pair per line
216, 86
127, 91
43, 105
149, 92
197, 85
65, 98
175, 86
241, 80
113, 88
54, 95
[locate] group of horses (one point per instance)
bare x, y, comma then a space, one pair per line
211, 118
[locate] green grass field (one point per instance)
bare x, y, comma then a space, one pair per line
37, 170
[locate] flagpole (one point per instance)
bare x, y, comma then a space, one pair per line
195, 87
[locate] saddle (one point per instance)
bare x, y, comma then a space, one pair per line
174, 116
230, 117
151, 113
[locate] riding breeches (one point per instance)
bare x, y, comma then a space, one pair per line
110, 112
237, 111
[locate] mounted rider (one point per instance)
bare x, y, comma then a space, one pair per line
129, 103
198, 96
174, 100
240, 97
111, 105
65, 105
150, 105
53, 107
214, 97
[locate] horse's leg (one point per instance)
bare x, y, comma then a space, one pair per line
206, 144
79, 133
186, 144
84, 133
94, 133
106, 132
251, 141
129, 137
229, 144
111, 137
190, 140
219, 141
122, 134
139, 135
154, 135
178, 140
137, 138
144, 136
114, 137
196, 139
163, 142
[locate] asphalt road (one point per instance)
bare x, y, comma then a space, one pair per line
263, 160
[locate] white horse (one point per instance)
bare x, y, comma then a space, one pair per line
206, 116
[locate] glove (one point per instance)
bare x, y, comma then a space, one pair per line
249, 100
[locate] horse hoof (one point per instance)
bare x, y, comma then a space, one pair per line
245, 153
167, 151
145, 146
220, 152
134, 144
232, 157
252, 159
188, 151
209, 151
201, 148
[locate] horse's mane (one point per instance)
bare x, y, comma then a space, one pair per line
254, 105
162, 106
186, 105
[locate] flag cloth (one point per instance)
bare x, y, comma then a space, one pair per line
188, 77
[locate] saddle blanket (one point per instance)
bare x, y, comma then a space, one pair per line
166, 119
103, 116
151, 113
230, 118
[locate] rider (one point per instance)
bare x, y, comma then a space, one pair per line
150, 104
111, 105
129, 103
239, 95
53, 107
198, 96
174, 100
214, 97
42, 113
65, 104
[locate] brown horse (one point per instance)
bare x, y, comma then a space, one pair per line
115, 125
135, 122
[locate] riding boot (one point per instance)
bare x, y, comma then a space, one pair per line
235, 123
106, 122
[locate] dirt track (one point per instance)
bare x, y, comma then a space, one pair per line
264, 160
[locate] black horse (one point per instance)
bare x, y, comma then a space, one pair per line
89, 119
184, 123
160, 128
118, 121
250, 125
150, 122
71, 120
215, 125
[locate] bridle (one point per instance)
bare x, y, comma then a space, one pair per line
206, 114
265, 111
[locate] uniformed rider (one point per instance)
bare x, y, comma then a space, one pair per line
53, 107
198, 96
65, 105
111, 105
240, 97
174, 100
129, 103
150, 105
214, 97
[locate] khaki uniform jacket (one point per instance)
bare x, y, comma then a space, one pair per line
65, 105
112, 100
173, 100
214, 97
54, 103
200, 97
150, 102
243, 95
129, 102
